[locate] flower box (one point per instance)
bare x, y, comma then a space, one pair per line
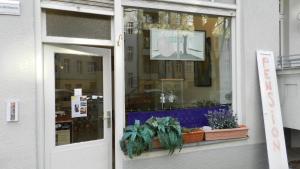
188, 137
193, 136
223, 134
156, 143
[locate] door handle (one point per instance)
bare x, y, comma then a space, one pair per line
108, 118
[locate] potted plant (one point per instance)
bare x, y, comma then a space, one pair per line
168, 132
224, 125
193, 135
136, 139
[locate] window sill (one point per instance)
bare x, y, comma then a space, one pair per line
193, 147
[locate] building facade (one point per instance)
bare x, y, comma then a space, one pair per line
114, 54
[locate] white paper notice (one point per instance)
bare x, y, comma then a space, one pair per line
77, 92
79, 106
271, 111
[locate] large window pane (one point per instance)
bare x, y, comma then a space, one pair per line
176, 61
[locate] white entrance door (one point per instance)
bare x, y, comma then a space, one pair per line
78, 102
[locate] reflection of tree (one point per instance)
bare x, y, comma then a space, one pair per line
170, 20
222, 29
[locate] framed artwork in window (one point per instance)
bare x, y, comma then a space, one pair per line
202, 69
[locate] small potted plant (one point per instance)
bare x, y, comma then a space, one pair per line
192, 135
156, 132
168, 132
224, 125
136, 139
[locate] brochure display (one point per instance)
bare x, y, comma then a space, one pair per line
79, 106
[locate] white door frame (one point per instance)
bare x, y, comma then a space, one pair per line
49, 85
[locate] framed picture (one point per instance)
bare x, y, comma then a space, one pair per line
169, 44
202, 69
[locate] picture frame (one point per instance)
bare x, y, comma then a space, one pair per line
169, 44
203, 69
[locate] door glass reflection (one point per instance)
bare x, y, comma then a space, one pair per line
78, 98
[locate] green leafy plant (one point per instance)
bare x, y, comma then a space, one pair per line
136, 139
168, 131
222, 119
206, 103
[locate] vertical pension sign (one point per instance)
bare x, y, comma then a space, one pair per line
271, 110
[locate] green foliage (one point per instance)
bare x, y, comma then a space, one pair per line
206, 103
168, 131
136, 139
222, 119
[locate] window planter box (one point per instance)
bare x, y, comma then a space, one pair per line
190, 137
156, 143
193, 137
223, 134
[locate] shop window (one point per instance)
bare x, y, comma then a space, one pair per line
78, 85
66, 65
68, 86
129, 28
79, 66
183, 64
130, 80
92, 67
93, 85
129, 53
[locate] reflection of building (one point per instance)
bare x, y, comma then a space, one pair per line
78, 72
131, 51
202, 79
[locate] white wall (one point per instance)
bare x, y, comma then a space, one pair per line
260, 25
17, 74
244, 157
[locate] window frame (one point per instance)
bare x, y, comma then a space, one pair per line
191, 6
80, 9
235, 61
238, 79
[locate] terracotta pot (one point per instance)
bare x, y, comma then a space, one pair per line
156, 143
223, 134
193, 137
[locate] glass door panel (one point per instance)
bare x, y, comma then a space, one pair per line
78, 98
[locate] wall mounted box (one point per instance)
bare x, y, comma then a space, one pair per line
12, 111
